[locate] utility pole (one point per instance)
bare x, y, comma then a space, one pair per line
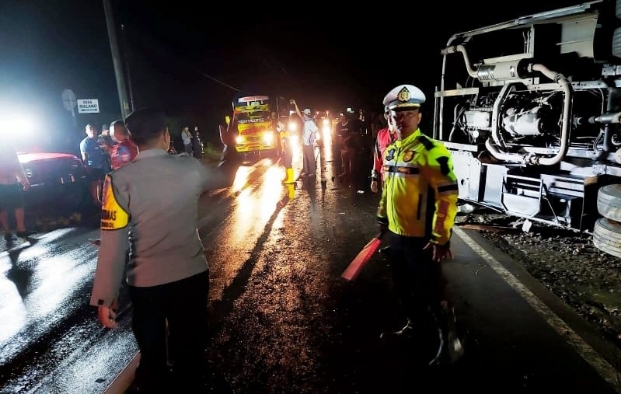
128, 69
116, 59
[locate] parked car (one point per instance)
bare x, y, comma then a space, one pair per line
54, 178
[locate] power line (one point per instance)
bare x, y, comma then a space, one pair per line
158, 48
215, 79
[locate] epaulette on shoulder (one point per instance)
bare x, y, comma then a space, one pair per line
427, 142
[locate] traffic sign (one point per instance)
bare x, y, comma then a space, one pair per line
69, 99
88, 106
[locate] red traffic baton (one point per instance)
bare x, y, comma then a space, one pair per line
363, 257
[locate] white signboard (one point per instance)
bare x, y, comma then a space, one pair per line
88, 106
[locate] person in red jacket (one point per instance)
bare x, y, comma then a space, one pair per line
124, 151
385, 137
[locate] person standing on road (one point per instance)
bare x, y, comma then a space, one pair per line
309, 130
95, 160
385, 137
13, 181
186, 137
417, 210
349, 131
167, 273
124, 151
286, 151
197, 146
106, 142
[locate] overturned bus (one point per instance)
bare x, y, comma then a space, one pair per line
530, 109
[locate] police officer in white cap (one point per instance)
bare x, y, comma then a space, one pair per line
417, 211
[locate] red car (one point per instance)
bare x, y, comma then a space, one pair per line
54, 178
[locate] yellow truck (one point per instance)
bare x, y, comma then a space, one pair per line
256, 120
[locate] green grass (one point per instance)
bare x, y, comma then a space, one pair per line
211, 151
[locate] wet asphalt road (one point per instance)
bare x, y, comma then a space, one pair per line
282, 319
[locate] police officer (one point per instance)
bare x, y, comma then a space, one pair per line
417, 210
167, 273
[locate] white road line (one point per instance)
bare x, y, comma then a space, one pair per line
603, 368
124, 379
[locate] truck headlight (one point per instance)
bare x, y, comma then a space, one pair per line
239, 139
268, 138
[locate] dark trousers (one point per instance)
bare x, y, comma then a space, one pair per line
419, 282
350, 158
183, 305
11, 197
309, 165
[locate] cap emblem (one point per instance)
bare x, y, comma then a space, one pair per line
404, 95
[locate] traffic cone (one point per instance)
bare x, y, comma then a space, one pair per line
289, 178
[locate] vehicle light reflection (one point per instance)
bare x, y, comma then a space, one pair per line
326, 153
296, 146
13, 312
260, 192
45, 290
241, 178
271, 190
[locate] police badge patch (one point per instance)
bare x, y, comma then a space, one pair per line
409, 155
113, 216
404, 95
391, 154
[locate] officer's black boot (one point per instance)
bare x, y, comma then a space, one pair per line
406, 332
450, 348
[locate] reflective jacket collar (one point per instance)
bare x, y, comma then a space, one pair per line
408, 139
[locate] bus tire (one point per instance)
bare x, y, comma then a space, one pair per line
607, 236
609, 202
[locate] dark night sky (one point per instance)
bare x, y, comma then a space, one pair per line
183, 55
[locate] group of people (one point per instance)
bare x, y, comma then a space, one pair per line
168, 275
102, 153
352, 145
305, 122
191, 142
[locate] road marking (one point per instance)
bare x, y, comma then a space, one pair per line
603, 368
124, 379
